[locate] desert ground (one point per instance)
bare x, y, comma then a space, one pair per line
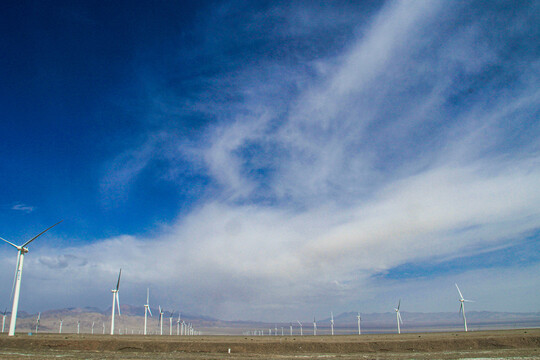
503, 344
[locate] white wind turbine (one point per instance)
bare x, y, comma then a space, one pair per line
462, 306
60, 329
37, 321
358, 317
178, 324
160, 320
4, 320
314, 326
398, 317
147, 309
170, 323
93, 323
18, 273
301, 332
332, 321
115, 301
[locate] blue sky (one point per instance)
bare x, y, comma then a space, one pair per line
268, 160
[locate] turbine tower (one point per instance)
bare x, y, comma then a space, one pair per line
160, 320
358, 317
314, 327
332, 321
60, 329
170, 323
178, 324
115, 301
4, 320
462, 307
147, 309
18, 273
301, 333
398, 317
37, 321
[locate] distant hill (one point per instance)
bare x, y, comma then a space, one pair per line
132, 320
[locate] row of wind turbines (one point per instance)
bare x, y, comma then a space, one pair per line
181, 326
399, 321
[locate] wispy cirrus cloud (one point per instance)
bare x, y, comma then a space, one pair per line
23, 207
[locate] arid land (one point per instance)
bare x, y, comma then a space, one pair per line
503, 344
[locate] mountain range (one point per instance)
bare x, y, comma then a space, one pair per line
131, 322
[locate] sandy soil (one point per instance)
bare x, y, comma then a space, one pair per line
506, 344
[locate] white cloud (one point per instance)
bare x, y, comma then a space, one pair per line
23, 207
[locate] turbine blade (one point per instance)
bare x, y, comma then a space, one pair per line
15, 276
460, 308
41, 233
118, 283
460, 295
399, 304
10, 243
399, 316
150, 311
118, 303
147, 296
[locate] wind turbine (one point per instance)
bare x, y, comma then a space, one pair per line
115, 301
290, 329
314, 326
78, 326
398, 317
37, 321
170, 323
178, 324
18, 273
462, 307
301, 333
161, 320
147, 309
332, 321
93, 323
4, 320
60, 329
358, 317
